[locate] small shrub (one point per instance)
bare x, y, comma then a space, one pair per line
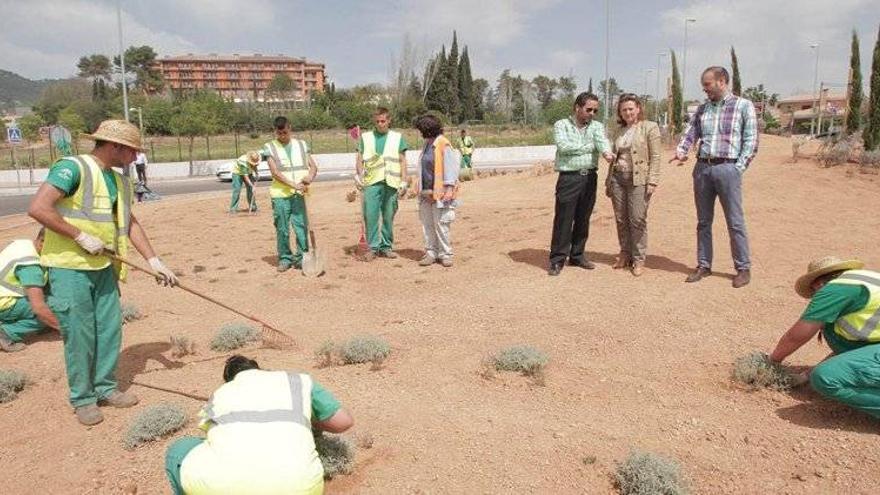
130, 313
336, 454
234, 335
363, 349
11, 383
351, 196
522, 358
757, 371
643, 473
466, 174
834, 152
153, 423
870, 159
324, 353
182, 346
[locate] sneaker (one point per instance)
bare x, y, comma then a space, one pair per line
446, 262
427, 260
283, 266
8, 345
387, 253
120, 399
89, 415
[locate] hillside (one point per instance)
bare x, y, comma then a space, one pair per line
15, 88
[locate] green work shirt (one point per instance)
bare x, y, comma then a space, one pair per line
64, 175
380, 143
324, 405
578, 148
830, 303
29, 276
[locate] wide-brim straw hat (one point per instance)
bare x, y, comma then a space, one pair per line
823, 266
118, 131
253, 158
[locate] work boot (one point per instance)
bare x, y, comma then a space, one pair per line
120, 399
446, 262
638, 268
387, 253
427, 260
742, 278
699, 274
89, 415
283, 266
8, 345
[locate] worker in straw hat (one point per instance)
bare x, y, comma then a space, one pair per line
845, 307
85, 206
242, 169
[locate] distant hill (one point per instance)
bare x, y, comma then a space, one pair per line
16, 90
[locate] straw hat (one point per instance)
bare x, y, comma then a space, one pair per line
253, 157
819, 267
118, 131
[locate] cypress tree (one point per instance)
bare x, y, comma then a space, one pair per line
854, 112
453, 106
871, 134
437, 83
466, 88
590, 86
737, 86
676, 96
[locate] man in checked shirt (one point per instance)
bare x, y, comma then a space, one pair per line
727, 129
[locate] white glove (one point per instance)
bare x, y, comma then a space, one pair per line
358, 182
164, 275
90, 243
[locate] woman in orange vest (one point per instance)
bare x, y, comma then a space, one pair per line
438, 190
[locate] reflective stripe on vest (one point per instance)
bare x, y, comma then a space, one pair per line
861, 325
16, 254
294, 167
292, 415
385, 166
90, 210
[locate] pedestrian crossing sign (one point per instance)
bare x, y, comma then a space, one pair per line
13, 135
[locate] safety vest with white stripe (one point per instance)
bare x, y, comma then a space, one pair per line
16, 254
384, 167
260, 440
91, 210
294, 167
864, 324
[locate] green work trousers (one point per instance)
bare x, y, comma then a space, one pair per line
465, 161
174, 459
852, 377
19, 321
91, 329
287, 212
237, 182
380, 199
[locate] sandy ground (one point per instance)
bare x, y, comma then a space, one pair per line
635, 363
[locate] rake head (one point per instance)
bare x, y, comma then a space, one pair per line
276, 339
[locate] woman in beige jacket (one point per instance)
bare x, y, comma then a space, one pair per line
632, 179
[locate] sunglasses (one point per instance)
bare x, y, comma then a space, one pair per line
591, 110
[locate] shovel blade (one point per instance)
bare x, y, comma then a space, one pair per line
312, 264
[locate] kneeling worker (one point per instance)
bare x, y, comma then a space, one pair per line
23, 307
845, 307
242, 169
259, 435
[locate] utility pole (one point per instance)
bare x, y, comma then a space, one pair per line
607, 51
815, 95
122, 60
684, 66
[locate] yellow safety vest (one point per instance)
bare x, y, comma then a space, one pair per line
466, 145
259, 438
91, 210
294, 167
440, 145
864, 324
18, 253
384, 167
242, 166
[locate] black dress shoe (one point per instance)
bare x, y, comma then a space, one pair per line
585, 264
555, 268
699, 274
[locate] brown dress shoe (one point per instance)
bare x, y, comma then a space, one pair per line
698, 274
638, 268
742, 278
622, 261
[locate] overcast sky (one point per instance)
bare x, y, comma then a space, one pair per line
357, 40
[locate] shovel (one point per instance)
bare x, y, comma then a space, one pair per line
313, 261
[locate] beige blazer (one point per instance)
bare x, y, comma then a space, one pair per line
645, 154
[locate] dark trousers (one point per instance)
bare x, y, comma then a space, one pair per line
575, 198
722, 181
141, 169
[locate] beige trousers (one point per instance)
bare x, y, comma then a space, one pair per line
631, 214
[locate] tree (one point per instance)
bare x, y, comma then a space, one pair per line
480, 90
854, 112
141, 60
759, 95
281, 87
30, 126
97, 68
72, 121
567, 87
590, 86
734, 63
450, 93
545, 89
466, 88
677, 117
436, 82
610, 89
871, 134
60, 95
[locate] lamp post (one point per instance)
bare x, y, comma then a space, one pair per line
140, 118
645, 73
657, 99
684, 64
607, 52
815, 95
122, 61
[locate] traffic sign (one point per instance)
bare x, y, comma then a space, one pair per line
13, 135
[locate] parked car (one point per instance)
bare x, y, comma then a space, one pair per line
224, 172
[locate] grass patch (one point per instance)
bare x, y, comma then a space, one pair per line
522, 358
130, 313
233, 336
11, 383
182, 346
757, 371
336, 454
154, 423
356, 350
644, 473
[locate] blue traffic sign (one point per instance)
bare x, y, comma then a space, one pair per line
13, 135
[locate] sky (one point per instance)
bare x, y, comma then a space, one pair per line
359, 41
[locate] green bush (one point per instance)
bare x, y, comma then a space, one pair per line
644, 473
522, 358
130, 313
757, 371
234, 335
363, 349
336, 454
153, 423
11, 383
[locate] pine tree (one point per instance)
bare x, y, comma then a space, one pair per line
436, 83
737, 86
414, 88
676, 96
450, 93
854, 112
871, 134
590, 86
466, 88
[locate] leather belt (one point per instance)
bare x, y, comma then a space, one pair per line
716, 161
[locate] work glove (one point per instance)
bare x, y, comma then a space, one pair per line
164, 275
358, 182
90, 243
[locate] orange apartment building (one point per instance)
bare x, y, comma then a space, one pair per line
240, 77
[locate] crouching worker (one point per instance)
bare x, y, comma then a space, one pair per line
23, 306
845, 307
259, 435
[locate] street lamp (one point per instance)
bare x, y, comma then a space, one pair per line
607, 52
657, 100
684, 64
645, 72
122, 61
815, 95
